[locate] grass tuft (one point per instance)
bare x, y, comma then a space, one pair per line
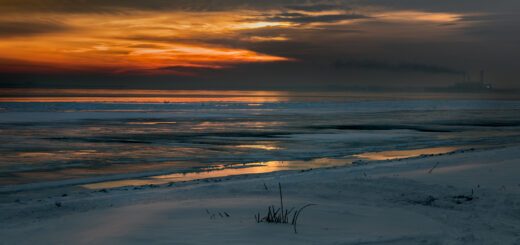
281, 215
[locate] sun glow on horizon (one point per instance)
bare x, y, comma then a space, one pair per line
118, 56
144, 43
188, 42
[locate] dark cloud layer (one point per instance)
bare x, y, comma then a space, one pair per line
211, 5
315, 7
18, 28
304, 19
184, 70
107, 6
458, 6
396, 67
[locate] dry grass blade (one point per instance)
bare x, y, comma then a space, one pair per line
297, 214
281, 215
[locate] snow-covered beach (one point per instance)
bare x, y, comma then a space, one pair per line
327, 122
465, 197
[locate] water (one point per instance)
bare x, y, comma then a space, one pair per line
108, 138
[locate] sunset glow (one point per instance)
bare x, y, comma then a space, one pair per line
149, 44
124, 56
172, 42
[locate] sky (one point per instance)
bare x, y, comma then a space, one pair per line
252, 44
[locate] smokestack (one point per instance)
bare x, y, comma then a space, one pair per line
482, 76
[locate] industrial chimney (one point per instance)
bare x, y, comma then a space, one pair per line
482, 76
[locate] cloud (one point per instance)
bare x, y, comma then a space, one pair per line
487, 17
109, 6
147, 45
459, 6
313, 8
96, 6
397, 67
182, 70
305, 19
25, 28
498, 27
370, 36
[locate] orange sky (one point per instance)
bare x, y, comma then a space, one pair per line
146, 42
103, 42
251, 44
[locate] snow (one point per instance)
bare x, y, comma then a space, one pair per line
466, 197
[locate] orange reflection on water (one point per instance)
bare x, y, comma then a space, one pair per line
82, 172
140, 96
54, 156
388, 155
254, 98
144, 99
94, 162
216, 125
136, 92
150, 123
263, 147
266, 167
225, 170
208, 173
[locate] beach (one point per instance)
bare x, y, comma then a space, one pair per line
330, 122
464, 197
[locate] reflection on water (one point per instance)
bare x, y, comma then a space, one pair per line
121, 134
270, 166
263, 147
104, 156
253, 98
226, 170
386, 155
136, 92
150, 123
94, 171
236, 124
144, 99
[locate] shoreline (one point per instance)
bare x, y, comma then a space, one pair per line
434, 190
205, 172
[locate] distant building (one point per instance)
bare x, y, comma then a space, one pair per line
467, 84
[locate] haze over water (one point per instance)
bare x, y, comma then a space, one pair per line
106, 138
